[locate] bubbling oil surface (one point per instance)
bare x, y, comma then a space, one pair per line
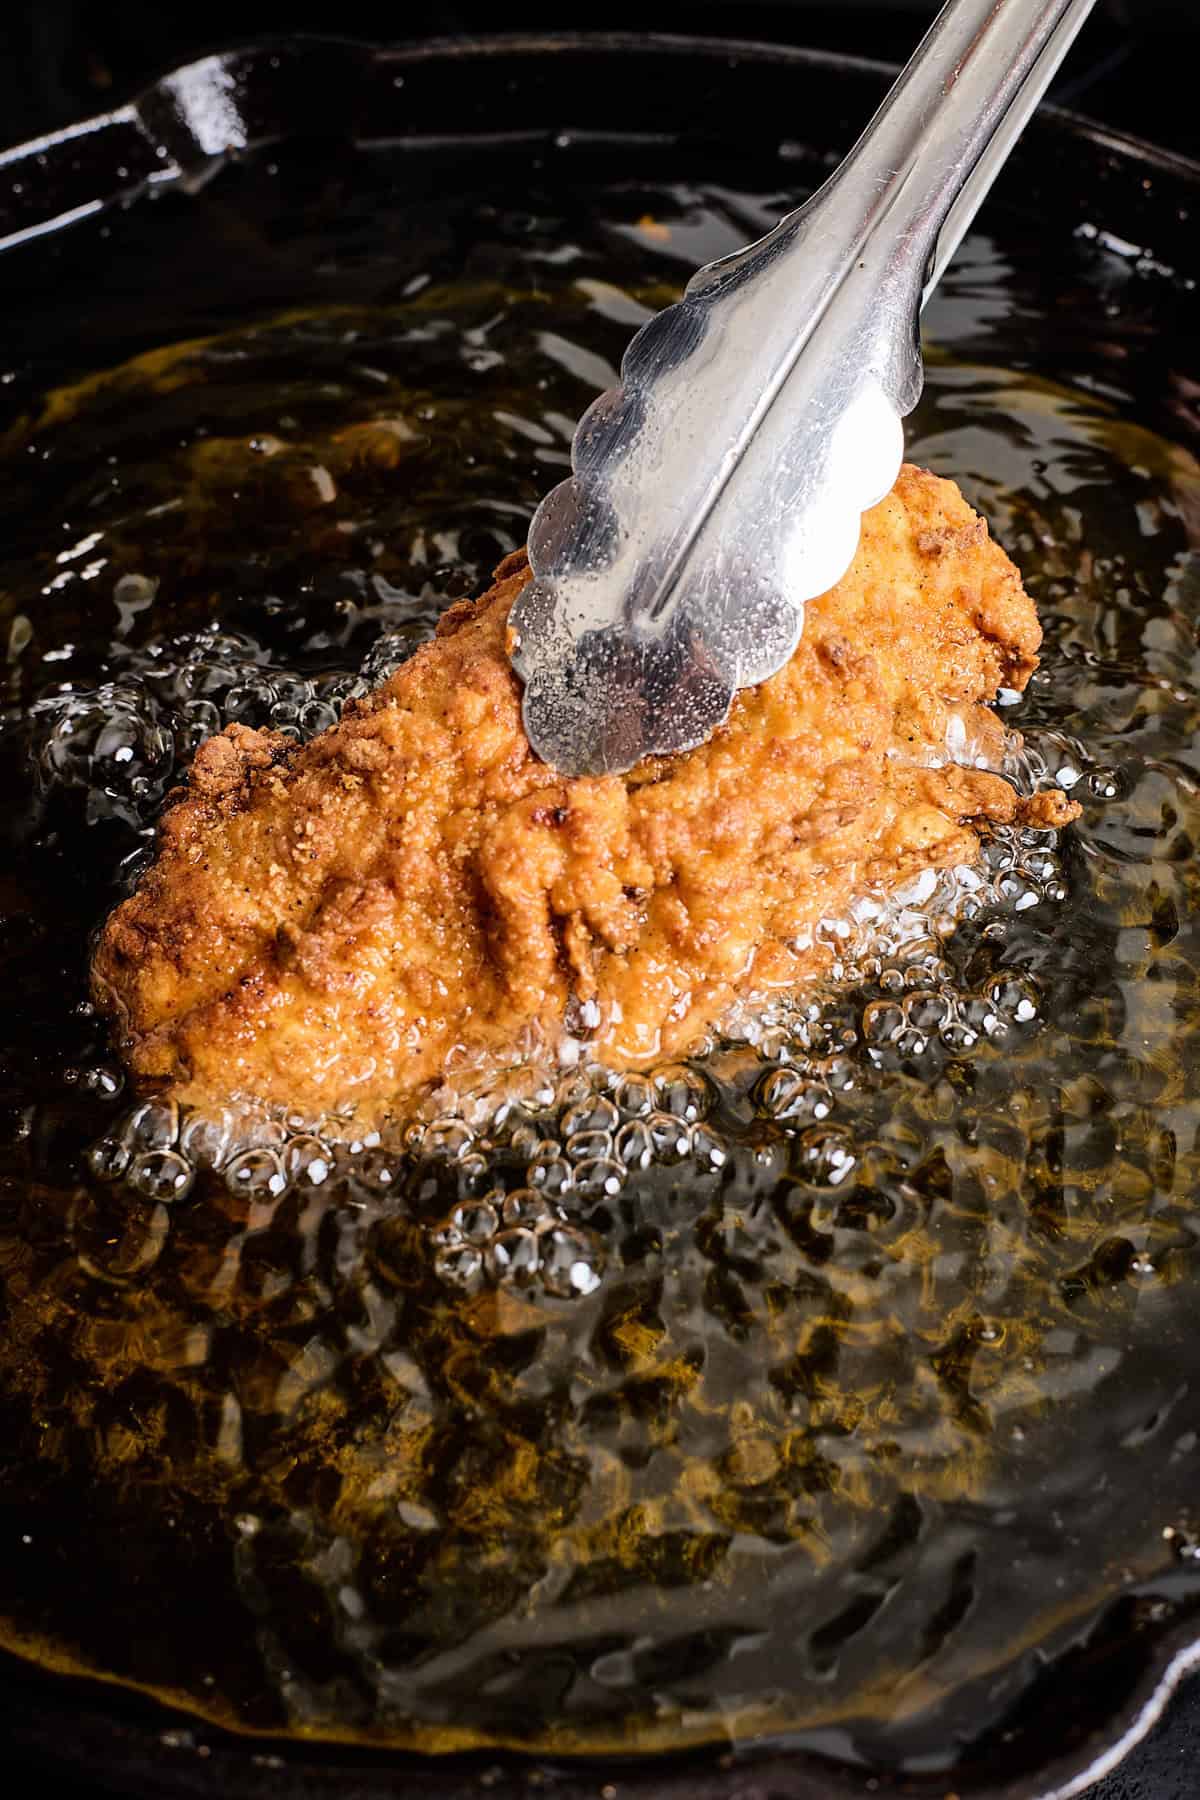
791, 1389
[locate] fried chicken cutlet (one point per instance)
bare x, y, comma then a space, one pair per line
329, 923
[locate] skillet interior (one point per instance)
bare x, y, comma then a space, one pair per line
1082, 183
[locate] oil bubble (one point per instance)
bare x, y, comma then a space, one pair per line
595, 1114
307, 1161
459, 1266
635, 1096
634, 1146
599, 1178
513, 1258
572, 1261
824, 1156
161, 1175
256, 1175
108, 1158
587, 1146
681, 1092
529, 1207
205, 1137
670, 1138
475, 1221
152, 1126
788, 1094
553, 1175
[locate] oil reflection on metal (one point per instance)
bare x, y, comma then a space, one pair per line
722, 484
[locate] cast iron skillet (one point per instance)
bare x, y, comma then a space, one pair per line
1072, 1728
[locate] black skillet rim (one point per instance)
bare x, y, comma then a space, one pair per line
84, 1729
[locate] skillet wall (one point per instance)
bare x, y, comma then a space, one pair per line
61, 59
1081, 182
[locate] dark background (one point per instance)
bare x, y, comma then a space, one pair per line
1136, 67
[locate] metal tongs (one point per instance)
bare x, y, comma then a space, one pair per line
722, 484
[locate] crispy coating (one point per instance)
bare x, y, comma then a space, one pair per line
342, 921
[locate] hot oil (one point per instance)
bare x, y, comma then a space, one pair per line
797, 1388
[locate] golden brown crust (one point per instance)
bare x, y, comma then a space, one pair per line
330, 922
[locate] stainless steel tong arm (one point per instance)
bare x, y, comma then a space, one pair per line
722, 484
